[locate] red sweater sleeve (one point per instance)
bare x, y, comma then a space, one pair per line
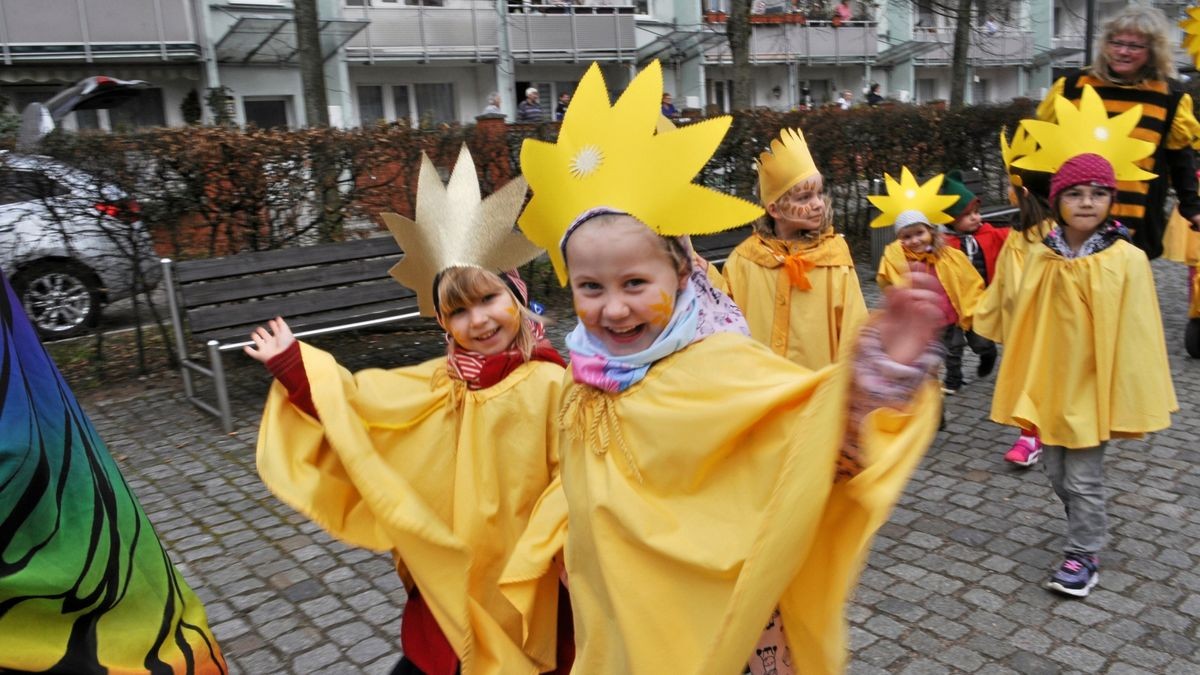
288, 368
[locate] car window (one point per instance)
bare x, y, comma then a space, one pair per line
25, 186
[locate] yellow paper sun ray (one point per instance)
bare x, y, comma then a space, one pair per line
1191, 34
909, 195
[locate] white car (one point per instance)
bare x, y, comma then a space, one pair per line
68, 242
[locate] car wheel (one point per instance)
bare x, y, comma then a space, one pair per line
62, 298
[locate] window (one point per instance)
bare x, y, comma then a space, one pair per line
144, 110
86, 119
266, 113
400, 100
926, 90
27, 186
424, 3
980, 91
435, 102
370, 105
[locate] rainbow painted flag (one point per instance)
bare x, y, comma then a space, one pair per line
85, 585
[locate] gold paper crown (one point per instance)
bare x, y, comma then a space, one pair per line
455, 228
1191, 34
908, 195
787, 163
1087, 129
613, 156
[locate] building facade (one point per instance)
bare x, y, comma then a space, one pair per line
436, 61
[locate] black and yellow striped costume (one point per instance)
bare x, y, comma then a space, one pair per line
1167, 122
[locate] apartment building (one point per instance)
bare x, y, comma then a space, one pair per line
435, 61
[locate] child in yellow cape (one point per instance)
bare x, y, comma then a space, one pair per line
993, 316
1182, 244
793, 277
1085, 360
440, 463
697, 491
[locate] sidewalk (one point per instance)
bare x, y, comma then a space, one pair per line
952, 584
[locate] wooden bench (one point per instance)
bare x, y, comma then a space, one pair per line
326, 288
715, 248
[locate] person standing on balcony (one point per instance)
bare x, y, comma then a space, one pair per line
530, 110
668, 108
842, 12
1134, 64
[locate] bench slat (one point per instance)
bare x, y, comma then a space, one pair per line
261, 286
206, 319
187, 271
304, 323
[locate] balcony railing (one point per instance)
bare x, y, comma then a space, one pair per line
814, 42
470, 30
68, 30
1004, 47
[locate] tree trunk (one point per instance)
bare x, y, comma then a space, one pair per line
962, 46
737, 31
312, 64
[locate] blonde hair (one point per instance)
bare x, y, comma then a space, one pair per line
1151, 23
459, 287
765, 225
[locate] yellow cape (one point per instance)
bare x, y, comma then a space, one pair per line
1085, 359
702, 498
1182, 244
962, 282
806, 327
394, 464
993, 315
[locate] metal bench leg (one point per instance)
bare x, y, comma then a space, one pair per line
168, 272
218, 372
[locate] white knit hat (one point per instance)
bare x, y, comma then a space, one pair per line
910, 217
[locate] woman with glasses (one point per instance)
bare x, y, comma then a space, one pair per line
1133, 65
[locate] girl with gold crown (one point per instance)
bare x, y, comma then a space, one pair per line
698, 492
915, 211
440, 463
793, 277
1085, 359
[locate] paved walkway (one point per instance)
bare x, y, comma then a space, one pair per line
952, 584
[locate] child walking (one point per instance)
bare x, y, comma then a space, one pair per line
698, 491
919, 242
1085, 357
981, 243
442, 462
793, 277
1028, 191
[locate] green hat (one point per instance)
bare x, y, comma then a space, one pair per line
953, 185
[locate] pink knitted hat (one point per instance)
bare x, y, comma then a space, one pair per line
1083, 169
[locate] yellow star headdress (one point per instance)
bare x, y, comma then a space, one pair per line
908, 195
455, 228
1022, 145
1191, 33
1088, 129
613, 156
787, 163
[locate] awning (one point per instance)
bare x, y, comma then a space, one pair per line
65, 75
905, 51
272, 39
1049, 57
683, 44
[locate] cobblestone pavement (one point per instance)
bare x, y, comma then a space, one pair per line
952, 585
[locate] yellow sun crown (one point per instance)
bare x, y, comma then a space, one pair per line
787, 163
1088, 129
909, 195
614, 156
1191, 34
1022, 145
455, 228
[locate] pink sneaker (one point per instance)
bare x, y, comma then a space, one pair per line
1025, 452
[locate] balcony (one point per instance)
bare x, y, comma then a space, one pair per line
1004, 47
469, 31
809, 43
65, 31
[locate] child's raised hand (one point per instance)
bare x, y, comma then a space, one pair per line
912, 317
270, 343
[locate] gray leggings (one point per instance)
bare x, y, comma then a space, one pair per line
1077, 477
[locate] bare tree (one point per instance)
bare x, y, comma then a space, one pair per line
312, 64
962, 46
737, 31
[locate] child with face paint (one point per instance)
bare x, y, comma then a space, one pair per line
1085, 359
698, 467
793, 277
442, 462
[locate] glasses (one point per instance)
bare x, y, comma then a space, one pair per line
1127, 46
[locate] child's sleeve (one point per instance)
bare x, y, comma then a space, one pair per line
288, 368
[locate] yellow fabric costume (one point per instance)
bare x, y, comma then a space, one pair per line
1182, 244
703, 496
411, 461
1085, 358
993, 315
962, 282
807, 326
